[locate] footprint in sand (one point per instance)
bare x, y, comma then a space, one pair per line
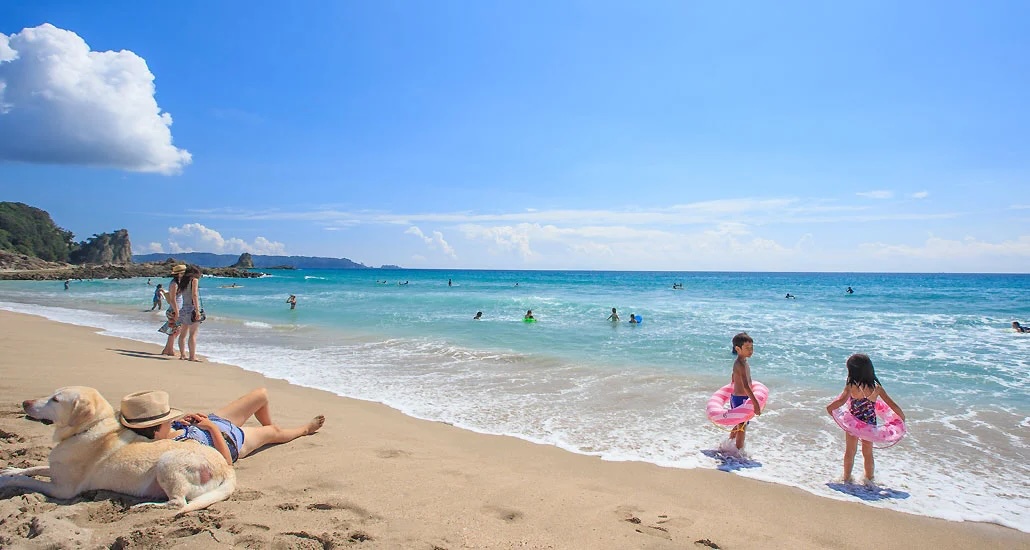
245, 495
303, 539
392, 453
631, 515
507, 514
358, 511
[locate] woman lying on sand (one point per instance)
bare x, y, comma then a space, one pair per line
148, 414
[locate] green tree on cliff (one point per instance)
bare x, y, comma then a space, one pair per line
30, 231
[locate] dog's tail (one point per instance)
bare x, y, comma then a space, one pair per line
218, 494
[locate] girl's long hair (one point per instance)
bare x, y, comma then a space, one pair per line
192, 272
861, 373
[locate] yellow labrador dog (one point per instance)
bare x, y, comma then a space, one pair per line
94, 451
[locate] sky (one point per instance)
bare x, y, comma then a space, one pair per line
881, 136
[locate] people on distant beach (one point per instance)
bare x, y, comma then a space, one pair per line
402, 284
158, 294
633, 318
147, 413
529, 316
174, 299
189, 313
1019, 328
743, 348
677, 286
849, 290
862, 389
448, 282
67, 283
790, 296
614, 317
292, 300
479, 316
148, 282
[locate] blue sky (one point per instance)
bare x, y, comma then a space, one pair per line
762, 136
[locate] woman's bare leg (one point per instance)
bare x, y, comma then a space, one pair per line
183, 330
193, 341
258, 436
170, 345
254, 403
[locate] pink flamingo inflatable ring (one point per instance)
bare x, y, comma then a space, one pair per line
882, 434
720, 413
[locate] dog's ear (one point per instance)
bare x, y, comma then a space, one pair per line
82, 411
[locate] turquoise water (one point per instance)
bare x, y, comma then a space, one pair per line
941, 345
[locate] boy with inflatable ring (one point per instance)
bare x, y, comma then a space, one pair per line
743, 347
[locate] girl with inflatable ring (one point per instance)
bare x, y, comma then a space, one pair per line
863, 394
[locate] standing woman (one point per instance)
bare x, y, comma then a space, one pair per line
189, 314
174, 307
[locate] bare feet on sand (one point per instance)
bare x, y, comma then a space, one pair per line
315, 424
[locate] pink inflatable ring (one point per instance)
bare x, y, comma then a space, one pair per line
888, 430
720, 413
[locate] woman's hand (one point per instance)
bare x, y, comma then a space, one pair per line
200, 420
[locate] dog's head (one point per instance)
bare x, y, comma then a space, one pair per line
72, 410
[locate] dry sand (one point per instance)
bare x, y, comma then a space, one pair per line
374, 478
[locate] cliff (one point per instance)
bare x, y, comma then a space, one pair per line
105, 248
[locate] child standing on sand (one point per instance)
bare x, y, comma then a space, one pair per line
743, 347
862, 389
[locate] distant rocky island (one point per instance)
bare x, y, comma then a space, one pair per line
257, 261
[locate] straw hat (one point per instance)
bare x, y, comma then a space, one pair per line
147, 408
181, 268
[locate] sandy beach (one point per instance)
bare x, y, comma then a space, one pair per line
374, 478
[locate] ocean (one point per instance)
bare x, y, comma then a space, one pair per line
941, 344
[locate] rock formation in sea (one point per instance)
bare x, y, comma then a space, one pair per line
245, 261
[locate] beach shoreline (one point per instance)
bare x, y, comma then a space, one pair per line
385, 480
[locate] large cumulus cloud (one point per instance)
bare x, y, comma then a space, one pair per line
195, 237
61, 103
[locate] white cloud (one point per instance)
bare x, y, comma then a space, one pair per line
876, 194
969, 248
194, 237
434, 242
920, 195
61, 103
154, 248
503, 239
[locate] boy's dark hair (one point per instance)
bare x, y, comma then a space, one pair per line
740, 340
147, 432
860, 371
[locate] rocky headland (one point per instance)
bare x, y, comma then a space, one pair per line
15, 266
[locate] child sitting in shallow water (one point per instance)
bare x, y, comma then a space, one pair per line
862, 389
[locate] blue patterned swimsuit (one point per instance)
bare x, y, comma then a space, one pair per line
864, 410
231, 433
